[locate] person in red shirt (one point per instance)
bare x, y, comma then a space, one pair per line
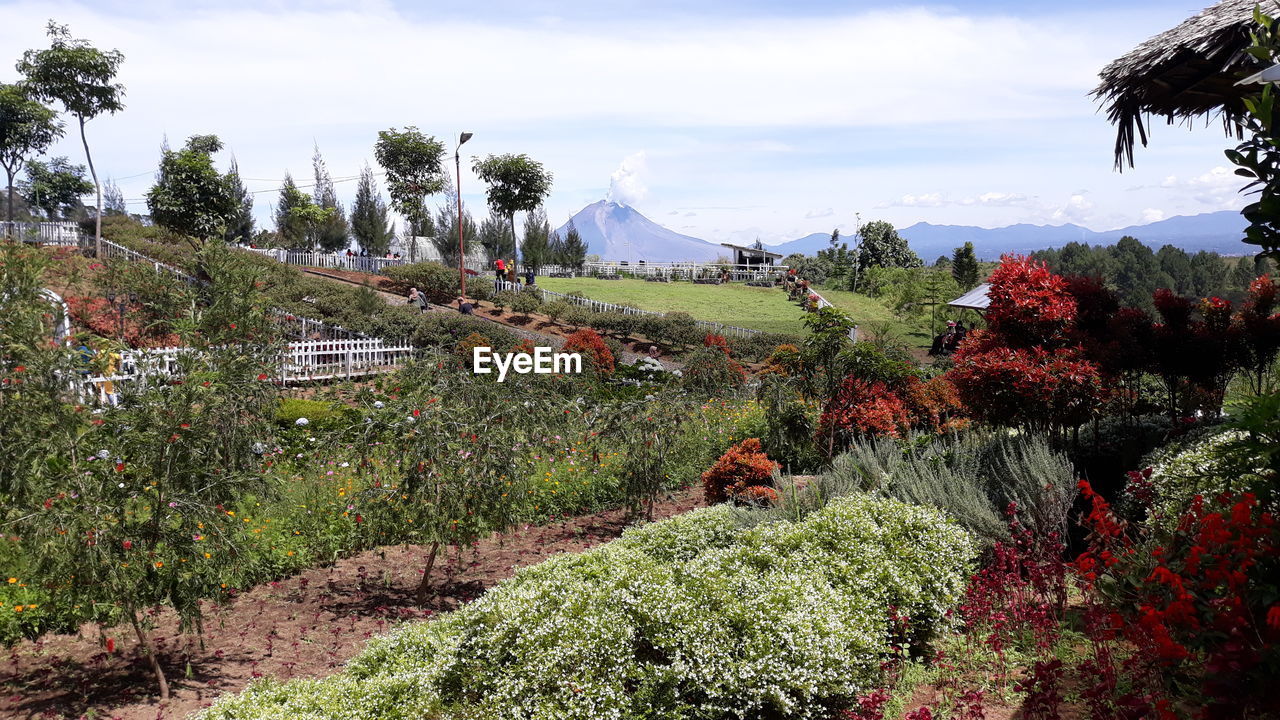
500, 270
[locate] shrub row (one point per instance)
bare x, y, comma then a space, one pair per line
686, 618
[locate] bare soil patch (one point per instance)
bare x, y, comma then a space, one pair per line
306, 625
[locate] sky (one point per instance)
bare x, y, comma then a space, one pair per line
729, 120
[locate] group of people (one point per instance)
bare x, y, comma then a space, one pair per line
946, 343
418, 298
365, 253
505, 270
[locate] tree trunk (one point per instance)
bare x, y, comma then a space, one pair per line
514, 242
145, 641
424, 587
97, 220
9, 215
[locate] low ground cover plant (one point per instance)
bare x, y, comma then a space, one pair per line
684, 618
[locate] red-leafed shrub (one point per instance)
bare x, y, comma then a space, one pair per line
784, 360
1258, 328
465, 349
743, 466
713, 368
1035, 387
102, 318
525, 346
861, 408
1029, 304
595, 353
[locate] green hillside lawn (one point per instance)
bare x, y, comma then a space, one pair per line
870, 314
764, 309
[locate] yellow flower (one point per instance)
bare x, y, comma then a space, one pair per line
159, 564
13, 580
232, 513
17, 608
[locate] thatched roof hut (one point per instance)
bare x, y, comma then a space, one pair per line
1182, 74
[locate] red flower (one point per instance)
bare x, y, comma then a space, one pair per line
262, 376
20, 368
128, 545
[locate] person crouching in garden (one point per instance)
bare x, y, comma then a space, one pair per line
464, 307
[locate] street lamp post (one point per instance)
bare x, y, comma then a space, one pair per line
462, 253
120, 308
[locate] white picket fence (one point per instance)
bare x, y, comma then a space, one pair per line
304, 361
297, 325
675, 271
45, 233
342, 261
601, 306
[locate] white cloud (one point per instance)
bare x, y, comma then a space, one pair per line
626, 186
1150, 215
813, 214
1076, 210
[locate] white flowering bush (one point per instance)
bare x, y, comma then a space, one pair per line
686, 618
1206, 468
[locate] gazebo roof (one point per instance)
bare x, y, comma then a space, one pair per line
975, 299
1183, 73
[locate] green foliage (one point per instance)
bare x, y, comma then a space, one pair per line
1258, 157
964, 267
240, 223
686, 618
495, 237
332, 232
55, 187
516, 184
440, 283
369, 216
190, 197
571, 252
556, 309
525, 302
880, 246
537, 239
318, 414
412, 162
27, 128
710, 371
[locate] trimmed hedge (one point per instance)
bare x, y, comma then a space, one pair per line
686, 618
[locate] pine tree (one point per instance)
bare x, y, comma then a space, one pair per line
495, 238
239, 225
113, 200
292, 233
555, 250
964, 267
445, 227
537, 239
575, 250
369, 216
332, 235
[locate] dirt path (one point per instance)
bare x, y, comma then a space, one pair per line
307, 625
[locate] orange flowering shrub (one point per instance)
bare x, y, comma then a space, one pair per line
785, 360
931, 403
743, 467
595, 354
862, 408
464, 349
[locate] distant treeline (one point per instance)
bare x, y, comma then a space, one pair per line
1135, 272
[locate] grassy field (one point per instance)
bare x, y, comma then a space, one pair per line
750, 307
873, 316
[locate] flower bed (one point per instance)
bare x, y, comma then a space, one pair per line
687, 618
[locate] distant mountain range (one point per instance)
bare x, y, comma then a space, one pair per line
619, 232
1219, 232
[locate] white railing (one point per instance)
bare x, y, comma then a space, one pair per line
671, 270
601, 306
303, 361
342, 261
298, 325
45, 233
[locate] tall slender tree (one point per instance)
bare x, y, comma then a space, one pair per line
964, 267
446, 227
516, 184
369, 216
412, 162
81, 78
113, 199
575, 249
240, 224
27, 128
537, 239
333, 235
291, 232
496, 238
